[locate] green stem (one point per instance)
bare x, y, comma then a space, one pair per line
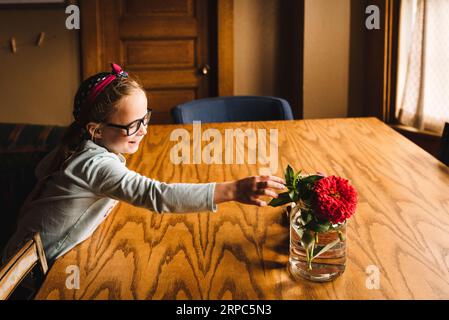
309, 262
310, 257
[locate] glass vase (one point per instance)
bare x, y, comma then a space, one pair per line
324, 266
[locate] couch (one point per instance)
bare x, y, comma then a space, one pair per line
22, 146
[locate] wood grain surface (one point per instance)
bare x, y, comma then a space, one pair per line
240, 252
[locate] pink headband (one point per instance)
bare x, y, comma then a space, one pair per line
117, 72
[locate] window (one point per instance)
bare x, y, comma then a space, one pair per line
423, 66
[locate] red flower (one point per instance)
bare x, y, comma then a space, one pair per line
334, 199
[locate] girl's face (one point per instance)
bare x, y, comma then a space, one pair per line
129, 109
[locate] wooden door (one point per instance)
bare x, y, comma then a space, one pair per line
165, 43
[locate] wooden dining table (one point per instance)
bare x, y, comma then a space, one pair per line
399, 233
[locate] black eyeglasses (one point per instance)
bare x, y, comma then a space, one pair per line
134, 126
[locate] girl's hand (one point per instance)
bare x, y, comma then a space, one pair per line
248, 190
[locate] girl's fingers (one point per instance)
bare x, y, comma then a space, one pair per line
270, 184
273, 178
267, 192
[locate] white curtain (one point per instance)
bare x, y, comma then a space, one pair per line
423, 74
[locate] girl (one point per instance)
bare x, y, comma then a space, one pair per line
82, 179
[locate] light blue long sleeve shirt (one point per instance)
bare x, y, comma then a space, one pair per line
68, 205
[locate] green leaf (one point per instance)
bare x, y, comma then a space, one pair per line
317, 226
305, 186
307, 240
296, 178
283, 198
289, 176
300, 232
311, 179
306, 216
326, 248
293, 195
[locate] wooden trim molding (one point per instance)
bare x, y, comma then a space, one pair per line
90, 37
225, 50
429, 141
391, 59
413, 130
382, 53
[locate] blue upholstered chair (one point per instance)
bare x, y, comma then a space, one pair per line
232, 109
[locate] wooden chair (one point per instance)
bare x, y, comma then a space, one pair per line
445, 145
21, 265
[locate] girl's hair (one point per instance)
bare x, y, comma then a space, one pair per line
99, 110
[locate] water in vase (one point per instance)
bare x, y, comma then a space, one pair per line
326, 266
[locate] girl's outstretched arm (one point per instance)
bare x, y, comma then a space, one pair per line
105, 175
248, 190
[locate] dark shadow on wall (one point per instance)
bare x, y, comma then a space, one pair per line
357, 60
289, 76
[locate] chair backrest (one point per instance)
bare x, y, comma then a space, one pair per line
20, 265
445, 145
232, 109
